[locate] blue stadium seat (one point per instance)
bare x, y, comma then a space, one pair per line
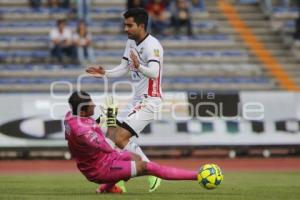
205, 24
248, 1
170, 80
25, 38
220, 37
185, 53
32, 24
289, 26
106, 10
20, 53
283, 9
27, 24
27, 10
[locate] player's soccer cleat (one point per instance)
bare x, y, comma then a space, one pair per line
115, 189
154, 183
121, 184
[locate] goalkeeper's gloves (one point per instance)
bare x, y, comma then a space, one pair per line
111, 113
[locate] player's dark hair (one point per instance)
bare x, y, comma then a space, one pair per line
61, 21
79, 101
140, 16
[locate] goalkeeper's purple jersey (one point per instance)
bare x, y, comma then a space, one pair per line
88, 146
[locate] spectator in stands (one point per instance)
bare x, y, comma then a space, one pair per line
61, 41
180, 16
35, 4
297, 32
267, 6
159, 17
198, 4
83, 41
135, 4
59, 4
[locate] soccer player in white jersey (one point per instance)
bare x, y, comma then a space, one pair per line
143, 58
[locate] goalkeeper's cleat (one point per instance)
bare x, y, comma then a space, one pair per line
114, 189
121, 184
154, 183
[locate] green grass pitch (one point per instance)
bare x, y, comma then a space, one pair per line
239, 186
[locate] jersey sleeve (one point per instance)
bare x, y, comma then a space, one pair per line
127, 51
151, 71
118, 71
93, 140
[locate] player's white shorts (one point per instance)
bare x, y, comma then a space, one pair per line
139, 113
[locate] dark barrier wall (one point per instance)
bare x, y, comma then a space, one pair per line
214, 104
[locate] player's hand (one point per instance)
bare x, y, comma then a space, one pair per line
112, 112
135, 60
96, 71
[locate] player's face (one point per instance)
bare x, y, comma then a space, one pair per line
90, 109
132, 29
61, 26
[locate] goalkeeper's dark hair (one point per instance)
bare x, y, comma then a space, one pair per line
140, 16
79, 101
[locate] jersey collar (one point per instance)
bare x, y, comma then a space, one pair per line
142, 40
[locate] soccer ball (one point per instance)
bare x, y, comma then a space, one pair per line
210, 176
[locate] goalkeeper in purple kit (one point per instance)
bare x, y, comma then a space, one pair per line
97, 160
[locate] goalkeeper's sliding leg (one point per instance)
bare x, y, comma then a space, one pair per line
164, 172
136, 167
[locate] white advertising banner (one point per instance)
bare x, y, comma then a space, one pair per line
277, 105
35, 120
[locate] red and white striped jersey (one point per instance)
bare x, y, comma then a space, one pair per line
148, 50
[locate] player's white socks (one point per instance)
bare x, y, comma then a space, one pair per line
134, 148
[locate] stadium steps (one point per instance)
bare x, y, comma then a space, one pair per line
283, 55
16, 3
175, 85
170, 70
118, 45
203, 42
201, 27
172, 56
176, 65
98, 15
166, 87
270, 39
32, 16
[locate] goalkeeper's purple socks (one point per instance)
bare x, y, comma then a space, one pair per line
170, 173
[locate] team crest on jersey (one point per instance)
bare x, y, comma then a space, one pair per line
156, 52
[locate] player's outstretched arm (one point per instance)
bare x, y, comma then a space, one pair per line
98, 71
